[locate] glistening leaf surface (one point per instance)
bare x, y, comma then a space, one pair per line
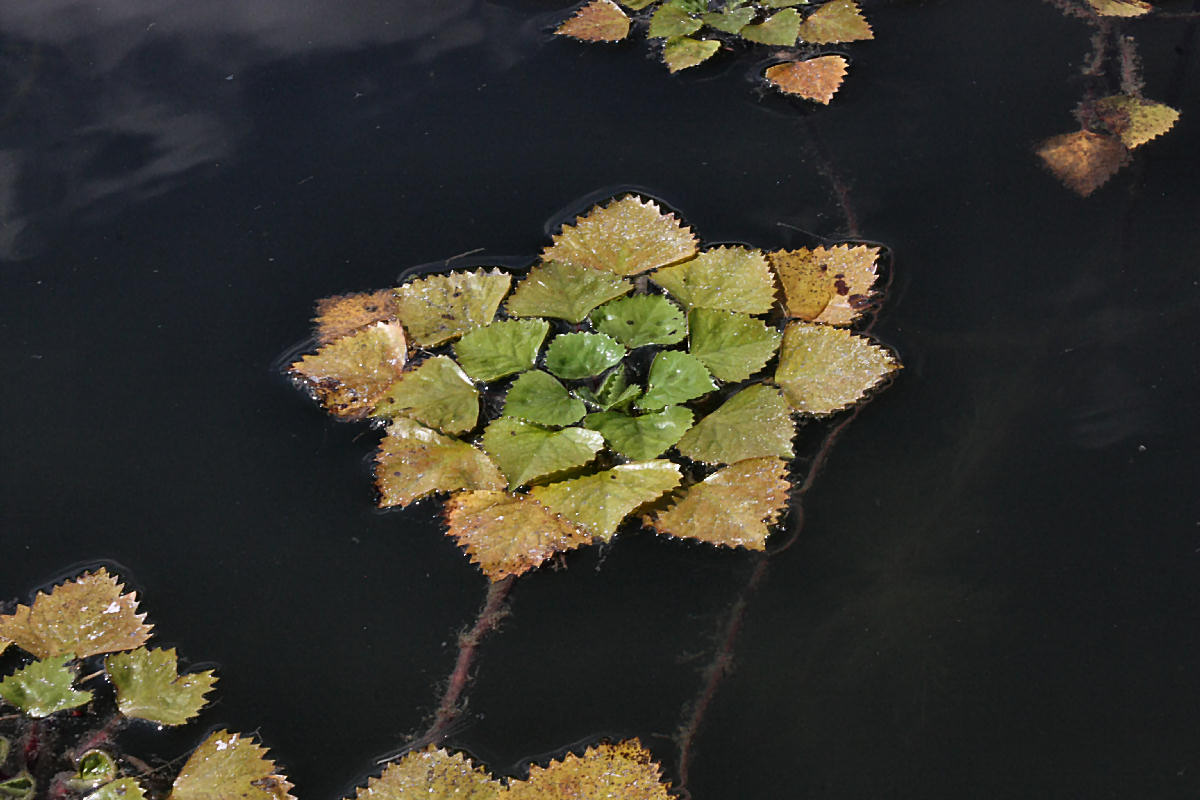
816, 79
564, 291
598, 21
120, 789
621, 771
670, 20
836, 21
525, 452
779, 29
627, 236
350, 374
437, 308
44, 687
149, 686
733, 507
614, 391
729, 20
823, 369
641, 320
675, 377
415, 461
582, 355
598, 503
1083, 160
508, 534
437, 393
753, 423
683, 52
343, 314
500, 349
431, 774
643, 436
826, 284
732, 346
727, 278
538, 397
229, 766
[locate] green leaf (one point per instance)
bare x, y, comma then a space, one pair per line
627, 236
18, 787
824, 369
726, 278
779, 29
120, 789
95, 768
432, 774
525, 452
229, 766
415, 461
437, 308
732, 346
149, 686
753, 423
683, 52
44, 687
4, 747
501, 348
538, 397
782, 3
437, 393
836, 21
600, 502
671, 19
641, 320
564, 291
730, 20
582, 355
614, 391
636, 5
675, 377
641, 437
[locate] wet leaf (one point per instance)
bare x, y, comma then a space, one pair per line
816, 79
500, 349
614, 392
414, 461
564, 291
836, 21
734, 507
538, 397
82, 617
508, 534
431, 774
343, 314
641, 320
1120, 8
781, 3
349, 375
675, 377
120, 789
731, 20
627, 236
598, 21
437, 308
779, 29
754, 423
582, 355
149, 686
19, 787
525, 452
229, 766
622, 771
644, 436
823, 369
637, 5
683, 52
1083, 161
600, 502
671, 20
44, 687
95, 767
1135, 120
727, 278
732, 346
437, 393
826, 284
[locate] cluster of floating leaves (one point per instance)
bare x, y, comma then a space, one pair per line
692, 31
628, 374
90, 624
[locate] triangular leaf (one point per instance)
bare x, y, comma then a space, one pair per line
823, 369
1083, 160
670, 20
675, 377
343, 314
538, 397
641, 320
826, 284
836, 21
582, 355
508, 534
120, 789
600, 502
733, 507
432, 774
437, 393
779, 29
437, 308
564, 291
728, 278
501, 349
732, 346
753, 423
683, 52
350, 374
598, 21
415, 461
731, 20
83, 617
644, 436
43, 687
149, 686
525, 452
621, 771
1134, 119
229, 766
816, 79
627, 236
614, 392
1120, 8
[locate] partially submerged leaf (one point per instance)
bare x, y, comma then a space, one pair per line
598, 21
670, 20
675, 377
440, 307
683, 52
734, 507
564, 291
93, 768
729, 20
120, 789
437, 393
727, 278
826, 284
836, 21
415, 461
816, 79
627, 236
509, 534
149, 686
83, 617
229, 766
621, 771
43, 687
600, 502
1134, 119
350, 374
641, 320
343, 314
779, 29
615, 391
538, 397
1120, 8
823, 369
431, 774
582, 355
1083, 160
644, 436
753, 423
502, 348
732, 346
525, 452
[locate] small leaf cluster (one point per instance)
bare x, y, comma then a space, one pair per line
629, 374
81, 672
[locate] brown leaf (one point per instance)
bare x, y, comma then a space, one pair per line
622, 771
831, 285
733, 507
598, 21
836, 21
415, 461
815, 79
1083, 160
349, 375
346, 313
229, 766
1120, 8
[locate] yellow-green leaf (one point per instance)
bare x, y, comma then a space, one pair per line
415, 461
726, 278
826, 284
564, 291
431, 774
21, 786
343, 314
508, 534
734, 507
643, 436
1134, 119
538, 397
756, 422
598, 21
525, 452
600, 502
683, 52
730, 20
149, 686
582, 355
349, 374
1120, 8
641, 320
823, 369
621, 771
675, 377
836, 21
43, 687
670, 20
437, 308
502, 348
627, 236
732, 346
437, 393
778, 29
229, 766
120, 789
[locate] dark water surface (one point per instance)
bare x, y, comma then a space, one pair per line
998, 588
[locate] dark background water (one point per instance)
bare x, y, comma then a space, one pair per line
996, 593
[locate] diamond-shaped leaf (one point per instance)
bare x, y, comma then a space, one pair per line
823, 369
437, 393
598, 503
537, 397
729, 20
350, 374
415, 461
343, 314
1134, 119
643, 436
779, 29
1083, 160
732, 346
564, 291
683, 52
437, 308
627, 236
621, 771
501, 349
821, 284
582, 355
675, 377
229, 766
508, 534
120, 789
598, 21
816, 79
432, 774
727, 278
525, 452
83, 617
836, 21
753, 423
1120, 8
734, 507
641, 320
671, 19
149, 686
44, 687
